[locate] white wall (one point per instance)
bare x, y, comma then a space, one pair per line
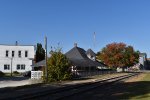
90, 57
141, 60
27, 61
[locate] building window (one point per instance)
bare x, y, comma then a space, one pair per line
18, 67
13, 53
7, 53
26, 53
22, 67
6, 67
19, 53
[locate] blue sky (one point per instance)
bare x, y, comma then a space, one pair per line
70, 21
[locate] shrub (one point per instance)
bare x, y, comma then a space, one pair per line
1, 73
15, 72
58, 67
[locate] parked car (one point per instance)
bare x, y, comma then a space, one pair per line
27, 74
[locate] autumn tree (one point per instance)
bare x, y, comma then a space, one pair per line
40, 53
118, 55
130, 56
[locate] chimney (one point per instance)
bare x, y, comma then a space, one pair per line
16, 43
75, 44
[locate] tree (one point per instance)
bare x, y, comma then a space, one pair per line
118, 55
130, 56
40, 53
58, 67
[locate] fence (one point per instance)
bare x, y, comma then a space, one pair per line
36, 74
92, 73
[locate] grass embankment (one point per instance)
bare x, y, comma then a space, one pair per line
137, 88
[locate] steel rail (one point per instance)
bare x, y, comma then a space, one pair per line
63, 92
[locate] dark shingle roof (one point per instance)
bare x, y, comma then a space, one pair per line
90, 52
78, 57
40, 63
76, 53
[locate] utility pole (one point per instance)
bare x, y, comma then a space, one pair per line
11, 65
46, 69
94, 39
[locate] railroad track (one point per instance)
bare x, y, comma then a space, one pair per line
71, 90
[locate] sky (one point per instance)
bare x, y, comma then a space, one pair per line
66, 22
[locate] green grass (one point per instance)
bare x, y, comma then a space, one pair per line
139, 90
9, 75
147, 77
142, 89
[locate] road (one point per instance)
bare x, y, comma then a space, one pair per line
15, 81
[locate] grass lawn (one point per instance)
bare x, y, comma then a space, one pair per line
136, 89
142, 89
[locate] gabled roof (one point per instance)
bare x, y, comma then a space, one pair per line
78, 57
90, 52
40, 63
76, 53
143, 54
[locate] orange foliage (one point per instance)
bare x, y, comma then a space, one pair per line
118, 55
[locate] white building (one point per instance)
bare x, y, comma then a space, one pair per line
16, 58
142, 60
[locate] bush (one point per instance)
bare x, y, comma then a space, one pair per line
1, 73
15, 72
58, 67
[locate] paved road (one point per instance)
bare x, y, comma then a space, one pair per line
15, 81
